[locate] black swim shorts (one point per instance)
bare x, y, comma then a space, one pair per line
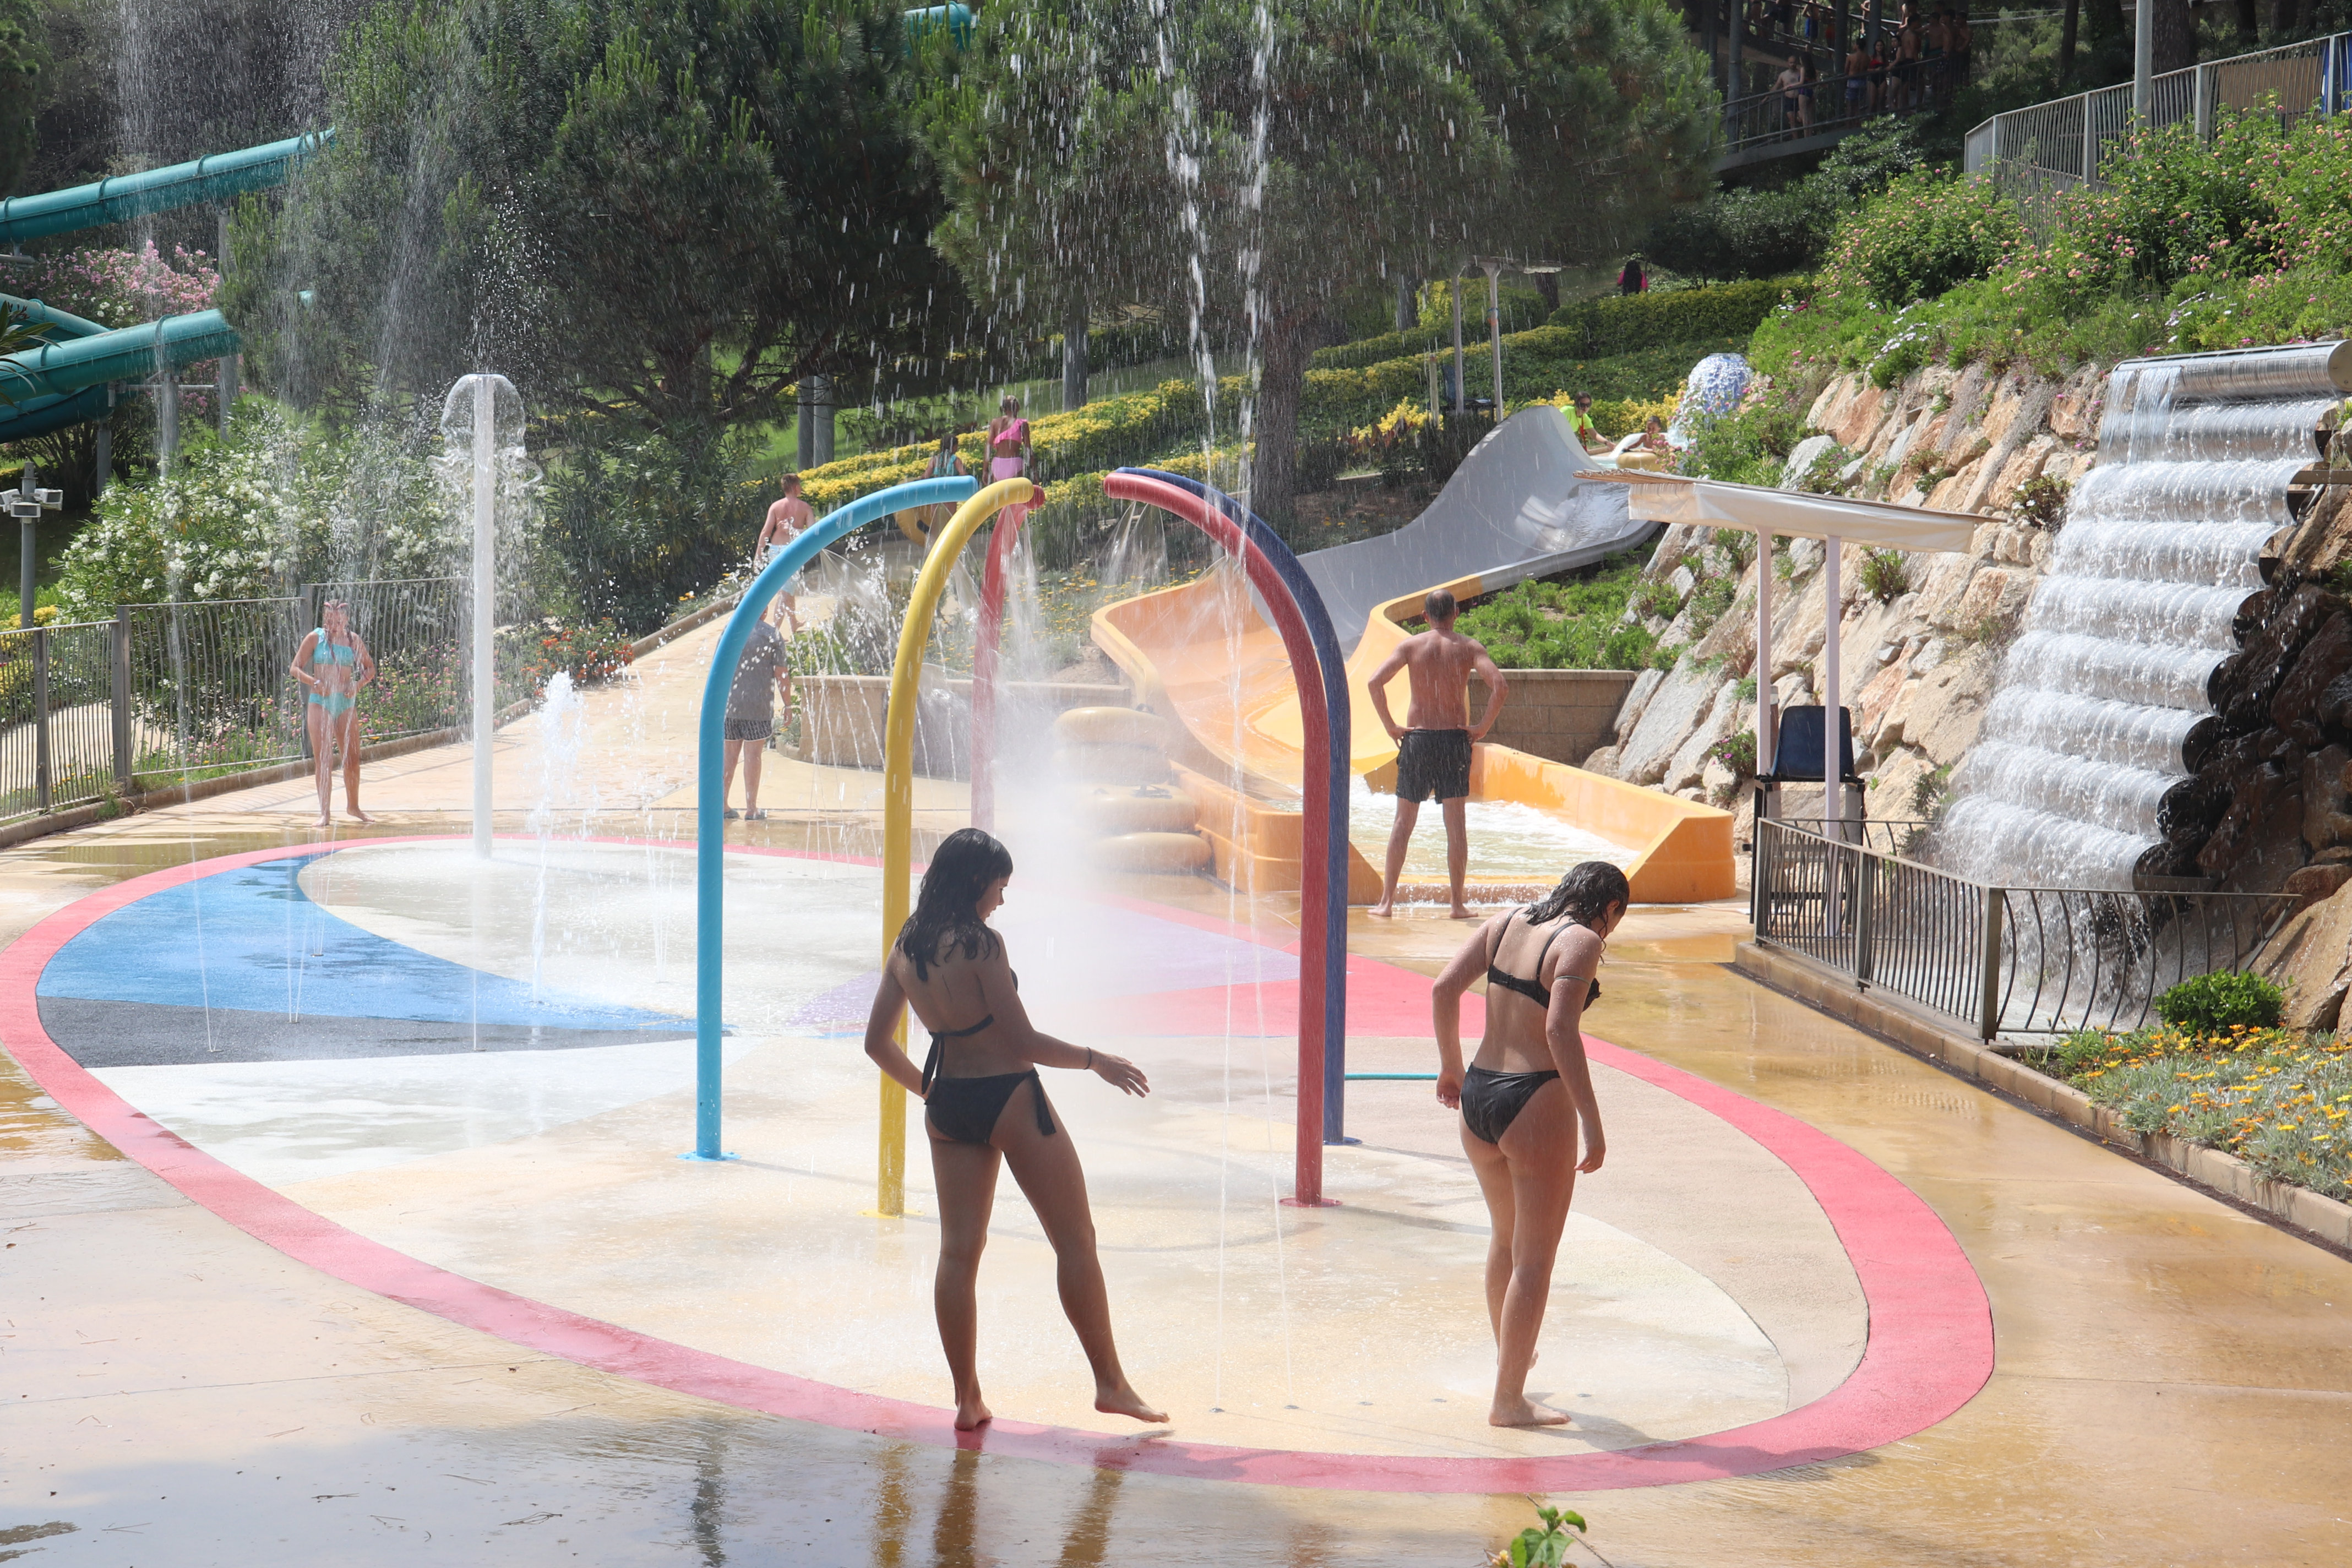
747, 729
1434, 764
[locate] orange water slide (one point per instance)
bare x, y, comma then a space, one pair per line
1204, 656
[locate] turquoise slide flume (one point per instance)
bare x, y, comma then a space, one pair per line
119, 198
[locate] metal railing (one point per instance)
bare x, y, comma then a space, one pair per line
2063, 144
2004, 961
192, 689
1759, 119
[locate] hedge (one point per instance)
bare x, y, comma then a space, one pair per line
1627, 323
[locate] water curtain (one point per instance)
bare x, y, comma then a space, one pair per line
1340, 716
2083, 760
710, 804
1323, 899
899, 778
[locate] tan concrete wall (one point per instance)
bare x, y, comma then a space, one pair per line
1561, 715
842, 715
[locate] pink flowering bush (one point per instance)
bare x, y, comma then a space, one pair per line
118, 288
124, 288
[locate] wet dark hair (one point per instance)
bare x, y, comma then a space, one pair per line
947, 906
1584, 895
1439, 607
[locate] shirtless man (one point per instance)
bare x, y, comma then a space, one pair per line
786, 517
1434, 746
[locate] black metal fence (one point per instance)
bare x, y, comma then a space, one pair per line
2005, 961
195, 690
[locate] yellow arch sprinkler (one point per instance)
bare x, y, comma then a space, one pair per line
899, 786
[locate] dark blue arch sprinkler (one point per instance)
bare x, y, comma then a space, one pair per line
1334, 668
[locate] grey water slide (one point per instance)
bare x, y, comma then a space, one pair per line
1514, 510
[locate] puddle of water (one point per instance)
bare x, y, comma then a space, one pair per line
1508, 842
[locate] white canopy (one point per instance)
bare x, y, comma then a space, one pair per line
1792, 514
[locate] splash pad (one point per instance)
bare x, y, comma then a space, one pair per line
424, 1125
459, 1082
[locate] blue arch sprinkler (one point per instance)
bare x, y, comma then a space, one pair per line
709, 801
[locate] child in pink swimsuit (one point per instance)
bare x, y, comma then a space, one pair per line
1008, 450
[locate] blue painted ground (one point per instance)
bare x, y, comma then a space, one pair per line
251, 940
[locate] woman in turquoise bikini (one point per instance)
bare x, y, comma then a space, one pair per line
334, 663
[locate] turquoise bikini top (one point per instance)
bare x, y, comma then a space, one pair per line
327, 652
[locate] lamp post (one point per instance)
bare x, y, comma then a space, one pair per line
1493, 266
25, 504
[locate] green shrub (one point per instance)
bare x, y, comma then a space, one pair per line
2213, 1004
1752, 444
1621, 323
1658, 601
1574, 624
2189, 246
1925, 234
1757, 231
1708, 601
2041, 502
1886, 575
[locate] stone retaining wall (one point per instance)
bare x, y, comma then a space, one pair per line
1918, 652
1561, 715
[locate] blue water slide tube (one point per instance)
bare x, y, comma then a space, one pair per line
121, 197
65, 383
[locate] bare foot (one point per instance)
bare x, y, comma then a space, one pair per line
359, 816
324, 821
1383, 910
972, 1414
1461, 912
1124, 1401
1525, 1412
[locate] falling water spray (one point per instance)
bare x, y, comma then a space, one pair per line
481, 436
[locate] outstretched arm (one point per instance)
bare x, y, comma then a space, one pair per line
1379, 684
1003, 998
1484, 663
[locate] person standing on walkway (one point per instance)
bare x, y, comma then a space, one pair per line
947, 463
1008, 451
787, 515
1792, 77
334, 663
759, 674
1433, 743
1525, 1099
952, 970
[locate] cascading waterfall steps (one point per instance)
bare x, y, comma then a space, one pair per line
2166, 625
1135, 819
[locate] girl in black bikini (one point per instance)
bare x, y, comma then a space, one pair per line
1522, 1100
949, 966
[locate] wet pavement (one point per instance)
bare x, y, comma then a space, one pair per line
2172, 1381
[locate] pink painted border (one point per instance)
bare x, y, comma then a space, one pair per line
1930, 1345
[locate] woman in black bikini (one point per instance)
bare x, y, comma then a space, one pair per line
949, 966
1523, 1098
